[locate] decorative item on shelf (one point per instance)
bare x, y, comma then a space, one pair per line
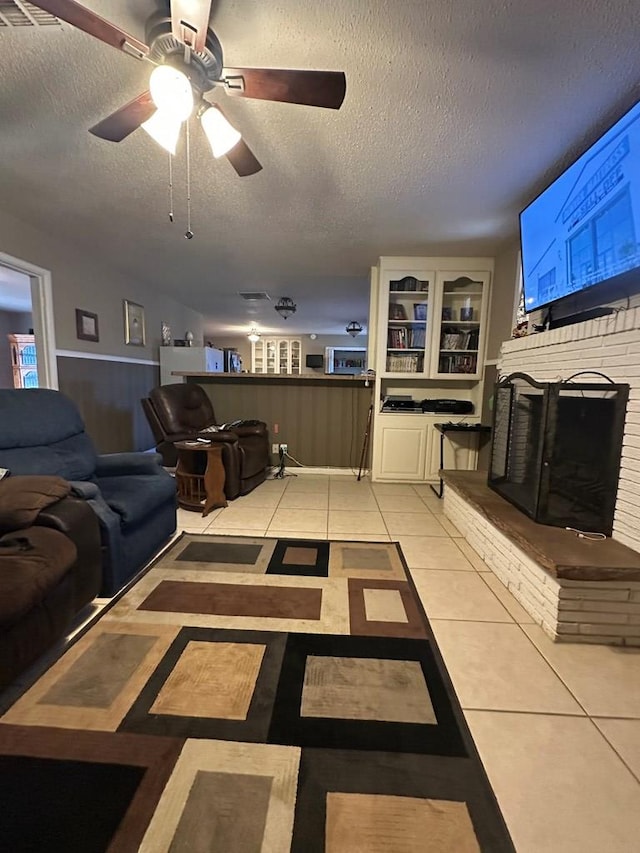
354, 328
419, 311
133, 323
448, 313
397, 311
165, 334
254, 335
286, 307
188, 336
466, 312
86, 326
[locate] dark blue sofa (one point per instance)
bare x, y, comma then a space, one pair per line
42, 432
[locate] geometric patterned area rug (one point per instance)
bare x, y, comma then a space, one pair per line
250, 695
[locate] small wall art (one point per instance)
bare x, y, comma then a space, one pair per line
86, 326
133, 323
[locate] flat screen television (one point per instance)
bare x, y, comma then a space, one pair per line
584, 229
314, 360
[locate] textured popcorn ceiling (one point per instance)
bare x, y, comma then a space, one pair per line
456, 115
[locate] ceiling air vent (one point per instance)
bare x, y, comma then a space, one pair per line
254, 296
19, 13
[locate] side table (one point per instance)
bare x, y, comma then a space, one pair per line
200, 476
443, 429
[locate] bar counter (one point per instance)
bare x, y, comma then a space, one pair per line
321, 417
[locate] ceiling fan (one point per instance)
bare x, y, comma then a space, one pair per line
189, 64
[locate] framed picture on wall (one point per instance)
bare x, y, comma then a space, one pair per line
133, 323
86, 326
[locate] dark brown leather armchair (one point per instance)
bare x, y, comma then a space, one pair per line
182, 411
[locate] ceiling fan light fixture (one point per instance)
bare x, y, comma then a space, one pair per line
164, 129
354, 328
286, 307
171, 92
220, 133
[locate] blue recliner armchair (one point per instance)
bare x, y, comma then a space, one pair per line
42, 432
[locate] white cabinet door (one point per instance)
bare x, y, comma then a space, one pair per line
400, 452
460, 321
404, 322
460, 451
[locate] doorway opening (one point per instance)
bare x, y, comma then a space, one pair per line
28, 288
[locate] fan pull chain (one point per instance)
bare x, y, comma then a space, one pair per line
188, 233
170, 187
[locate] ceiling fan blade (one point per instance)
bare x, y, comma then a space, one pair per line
312, 88
190, 20
243, 159
86, 20
124, 121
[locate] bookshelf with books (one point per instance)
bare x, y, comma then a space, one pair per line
405, 312
430, 316
460, 321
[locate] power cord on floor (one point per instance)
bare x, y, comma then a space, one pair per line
280, 472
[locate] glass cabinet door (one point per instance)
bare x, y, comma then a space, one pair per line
460, 325
257, 352
272, 364
283, 356
295, 356
406, 323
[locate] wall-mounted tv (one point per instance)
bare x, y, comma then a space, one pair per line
584, 229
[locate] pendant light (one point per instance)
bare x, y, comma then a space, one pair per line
286, 307
354, 328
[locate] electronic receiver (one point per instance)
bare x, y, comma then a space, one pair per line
449, 407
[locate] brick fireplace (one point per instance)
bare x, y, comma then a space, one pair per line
604, 611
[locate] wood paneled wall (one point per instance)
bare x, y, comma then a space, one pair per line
108, 395
323, 423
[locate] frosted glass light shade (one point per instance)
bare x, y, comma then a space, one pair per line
164, 128
221, 134
171, 91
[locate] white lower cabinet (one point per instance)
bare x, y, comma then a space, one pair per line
401, 448
407, 447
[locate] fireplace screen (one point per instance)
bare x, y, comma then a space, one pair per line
556, 449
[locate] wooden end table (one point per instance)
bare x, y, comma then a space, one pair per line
200, 476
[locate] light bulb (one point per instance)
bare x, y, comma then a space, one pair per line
164, 128
171, 92
254, 336
221, 134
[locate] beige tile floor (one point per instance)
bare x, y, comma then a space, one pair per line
557, 726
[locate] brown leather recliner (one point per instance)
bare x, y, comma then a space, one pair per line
181, 411
50, 567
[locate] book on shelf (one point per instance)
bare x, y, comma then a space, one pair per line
457, 363
463, 339
404, 362
409, 284
406, 337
